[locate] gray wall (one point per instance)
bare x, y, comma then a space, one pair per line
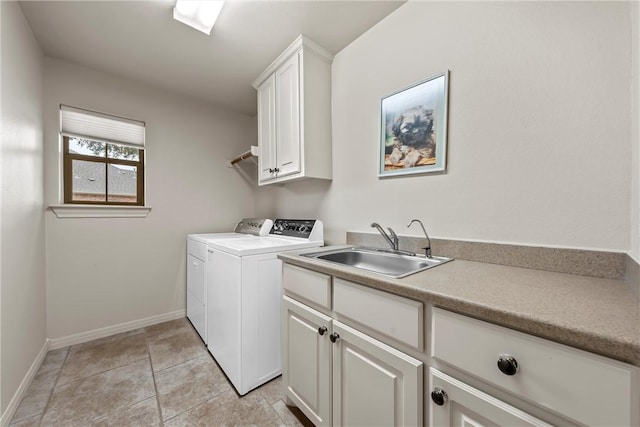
23, 292
107, 271
539, 126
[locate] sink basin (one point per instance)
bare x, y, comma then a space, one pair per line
390, 264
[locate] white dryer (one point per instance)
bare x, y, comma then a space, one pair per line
244, 291
196, 266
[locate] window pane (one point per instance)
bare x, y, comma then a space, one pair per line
89, 182
123, 183
86, 147
115, 151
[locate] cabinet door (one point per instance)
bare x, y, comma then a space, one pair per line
267, 129
459, 404
374, 384
288, 117
307, 360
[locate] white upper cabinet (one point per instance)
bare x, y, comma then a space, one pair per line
294, 114
266, 127
288, 140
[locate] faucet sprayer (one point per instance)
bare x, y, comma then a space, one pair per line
427, 250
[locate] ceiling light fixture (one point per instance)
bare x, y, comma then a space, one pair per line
200, 15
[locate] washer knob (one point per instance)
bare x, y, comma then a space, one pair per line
507, 364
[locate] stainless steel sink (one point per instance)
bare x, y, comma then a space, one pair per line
390, 264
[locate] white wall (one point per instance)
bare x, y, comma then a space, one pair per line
539, 120
23, 313
635, 132
103, 272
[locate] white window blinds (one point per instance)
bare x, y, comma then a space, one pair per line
101, 127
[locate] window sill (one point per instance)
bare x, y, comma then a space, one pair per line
100, 211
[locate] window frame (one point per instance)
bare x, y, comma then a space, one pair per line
67, 175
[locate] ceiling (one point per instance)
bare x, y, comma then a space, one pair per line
140, 40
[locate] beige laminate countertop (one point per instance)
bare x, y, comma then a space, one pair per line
597, 315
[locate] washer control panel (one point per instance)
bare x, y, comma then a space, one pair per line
255, 226
301, 228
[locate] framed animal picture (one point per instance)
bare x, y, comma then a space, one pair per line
413, 132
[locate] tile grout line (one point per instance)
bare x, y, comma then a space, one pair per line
191, 328
153, 376
82, 378
284, 422
101, 372
214, 397
90, 344
206, 399
187, 360
55, 384
153, 373
148, 341
128, 404
210, 397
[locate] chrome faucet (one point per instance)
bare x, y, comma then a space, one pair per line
391, 238
427, 250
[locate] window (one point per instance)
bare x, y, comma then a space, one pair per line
103, 158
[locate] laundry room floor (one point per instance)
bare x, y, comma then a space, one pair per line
155, 376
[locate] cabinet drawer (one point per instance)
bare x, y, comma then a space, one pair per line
307, 284
465, 405
585, 387
197, 249
398, 318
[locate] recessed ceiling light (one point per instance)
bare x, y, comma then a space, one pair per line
200, 15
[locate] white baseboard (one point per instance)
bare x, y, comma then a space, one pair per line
24, 385
74, 339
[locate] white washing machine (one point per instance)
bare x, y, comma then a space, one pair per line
196, 266
244, 291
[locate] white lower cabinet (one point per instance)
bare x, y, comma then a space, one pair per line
570, 383
307, 366
454, 403
339, 376
373, 383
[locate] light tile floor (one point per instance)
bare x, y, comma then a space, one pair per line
161, 375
